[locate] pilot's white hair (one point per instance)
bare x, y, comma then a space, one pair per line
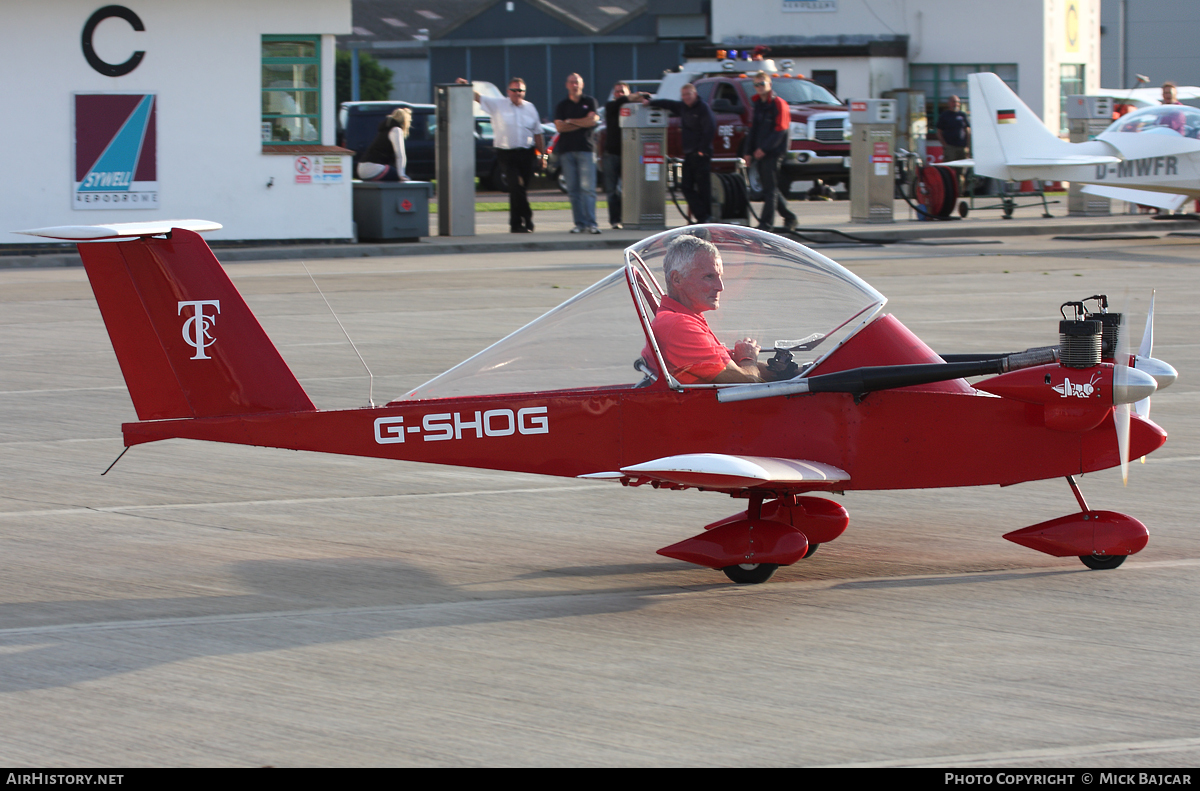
685, 251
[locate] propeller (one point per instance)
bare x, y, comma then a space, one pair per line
1121, 384
1145, 351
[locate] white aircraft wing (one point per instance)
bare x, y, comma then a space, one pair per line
1146, 145
1147, 97
726, 471
1161, 200
1041, 162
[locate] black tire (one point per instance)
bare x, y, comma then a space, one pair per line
811, 549
750, 573
1102, 562
949, 191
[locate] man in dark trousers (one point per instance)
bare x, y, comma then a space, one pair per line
696, 129
517, 136
611, 161
766, 143
574, 119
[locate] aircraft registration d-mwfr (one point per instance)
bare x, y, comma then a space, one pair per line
1150, 156
570, 394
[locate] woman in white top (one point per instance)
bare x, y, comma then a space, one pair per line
385, 158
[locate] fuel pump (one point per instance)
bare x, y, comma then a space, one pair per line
1087, 116
643, 167
872, 159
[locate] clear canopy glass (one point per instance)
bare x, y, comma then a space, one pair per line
776, 291
1164, 119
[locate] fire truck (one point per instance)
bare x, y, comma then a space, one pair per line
818, 136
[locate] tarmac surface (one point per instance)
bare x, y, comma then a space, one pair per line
220, 605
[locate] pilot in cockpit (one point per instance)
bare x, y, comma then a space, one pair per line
1174, 120
692, 269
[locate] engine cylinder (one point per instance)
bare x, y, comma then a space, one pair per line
1079, 343
1111, 325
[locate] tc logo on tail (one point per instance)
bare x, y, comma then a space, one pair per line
195, 329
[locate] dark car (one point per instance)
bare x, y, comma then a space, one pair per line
358, 123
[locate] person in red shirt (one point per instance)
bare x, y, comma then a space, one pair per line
692, 268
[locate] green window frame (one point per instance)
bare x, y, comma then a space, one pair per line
291, 90
1070, 81
940, 81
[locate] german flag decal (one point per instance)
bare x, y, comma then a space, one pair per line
1006, 116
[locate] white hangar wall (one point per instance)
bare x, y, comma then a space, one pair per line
203, 62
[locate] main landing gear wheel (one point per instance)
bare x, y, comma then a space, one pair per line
750, 573
1099, 562
811, 549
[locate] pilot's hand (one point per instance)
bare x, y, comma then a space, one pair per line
746, 351
461, 81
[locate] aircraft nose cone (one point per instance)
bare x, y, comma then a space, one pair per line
1133, 385
1164, 373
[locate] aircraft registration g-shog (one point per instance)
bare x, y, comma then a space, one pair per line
1150, 156
585, 391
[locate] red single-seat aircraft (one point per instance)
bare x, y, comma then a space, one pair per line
584, 391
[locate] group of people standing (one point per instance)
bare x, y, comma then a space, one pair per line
518, 139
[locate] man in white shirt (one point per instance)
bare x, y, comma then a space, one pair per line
517, 136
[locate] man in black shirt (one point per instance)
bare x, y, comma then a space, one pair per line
612, 150
574, 119
954, 133
696, 129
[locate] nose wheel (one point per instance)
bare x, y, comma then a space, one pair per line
750, 573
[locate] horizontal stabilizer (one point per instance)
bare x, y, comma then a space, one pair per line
720, 470
1161, 200
120, 230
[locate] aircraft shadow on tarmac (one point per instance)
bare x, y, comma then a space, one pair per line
296, 603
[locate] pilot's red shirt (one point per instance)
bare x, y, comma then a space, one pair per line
692, 353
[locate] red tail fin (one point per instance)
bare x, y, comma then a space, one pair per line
187, 342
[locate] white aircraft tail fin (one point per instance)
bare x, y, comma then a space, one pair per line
1006, 133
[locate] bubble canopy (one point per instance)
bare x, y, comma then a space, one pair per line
775, 290
1175, 119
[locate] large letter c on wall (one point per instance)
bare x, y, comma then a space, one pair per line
109, 69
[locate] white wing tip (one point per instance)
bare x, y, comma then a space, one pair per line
119, 230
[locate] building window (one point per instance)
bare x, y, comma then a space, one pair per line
940, 81
827, 79
291, 89
1070, 81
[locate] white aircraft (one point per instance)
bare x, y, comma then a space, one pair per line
1147, 97
1150, 156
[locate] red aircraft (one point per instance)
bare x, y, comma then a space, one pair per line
584, 392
